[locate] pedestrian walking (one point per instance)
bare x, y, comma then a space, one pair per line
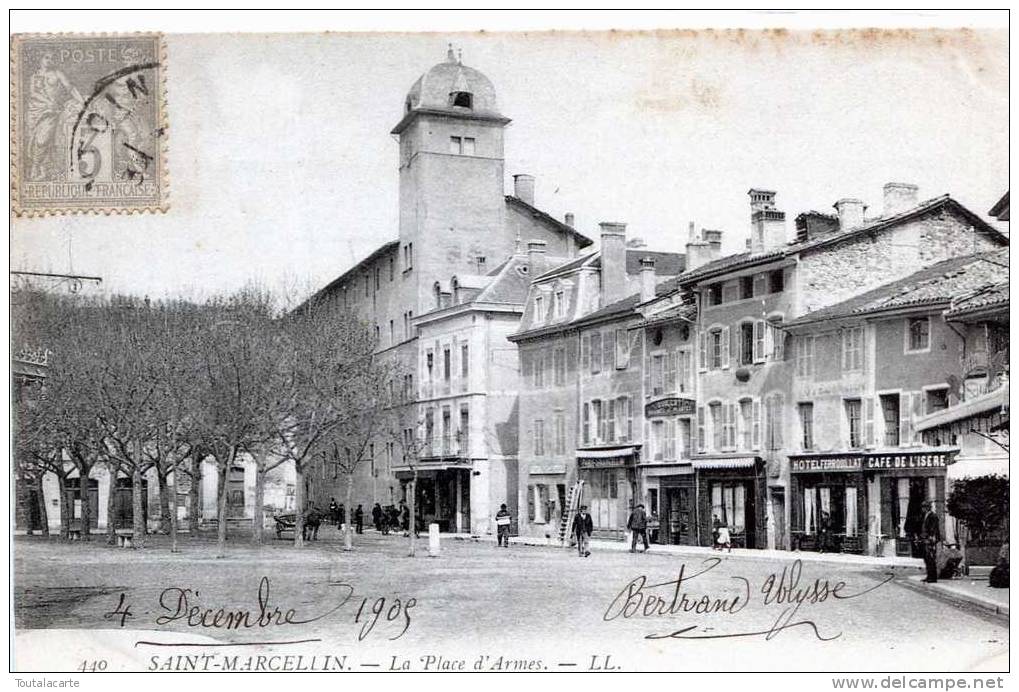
334, 511
359, 519
502, 526
637, 524
341, 519
930, 534
404, 516
377, 517
583, 527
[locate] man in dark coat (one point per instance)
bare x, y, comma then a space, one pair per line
334, 511
930, 533
637, 524
377, 517
582, 529
359, 519
502, 525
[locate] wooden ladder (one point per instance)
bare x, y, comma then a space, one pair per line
573, 498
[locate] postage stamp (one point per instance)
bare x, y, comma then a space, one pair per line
88, 124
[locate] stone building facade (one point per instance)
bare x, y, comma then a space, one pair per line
745, 402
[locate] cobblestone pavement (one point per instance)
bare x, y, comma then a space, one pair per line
524, 601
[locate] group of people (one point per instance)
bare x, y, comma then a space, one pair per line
338, 515
391, 518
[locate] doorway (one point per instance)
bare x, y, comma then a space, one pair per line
123, 507
680, 527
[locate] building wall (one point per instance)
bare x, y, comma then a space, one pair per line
835, 273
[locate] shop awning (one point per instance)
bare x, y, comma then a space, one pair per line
605, 453
725, 463
989, 403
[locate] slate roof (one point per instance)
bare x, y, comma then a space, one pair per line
937, 284
746, 259
666, 263
582, 240
626, 306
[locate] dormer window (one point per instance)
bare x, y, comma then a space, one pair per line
461, 99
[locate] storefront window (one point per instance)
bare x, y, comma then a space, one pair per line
728, 505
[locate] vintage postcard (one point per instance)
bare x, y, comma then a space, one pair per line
88, 123
677, 350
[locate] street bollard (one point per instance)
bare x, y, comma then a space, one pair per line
433, 540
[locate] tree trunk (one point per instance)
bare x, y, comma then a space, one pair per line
298, 505
65, 512
137, 507
111, 506
86, 501
258, 521
172, 486
412, 524
348, 540
44, 519
195, 496
164, 500
222, 467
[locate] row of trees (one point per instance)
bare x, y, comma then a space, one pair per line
138, 386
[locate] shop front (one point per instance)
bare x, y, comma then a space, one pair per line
731, 491
866, 502
670, 494
546, 498
442, 495
609, 477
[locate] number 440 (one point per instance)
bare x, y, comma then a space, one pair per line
93, 666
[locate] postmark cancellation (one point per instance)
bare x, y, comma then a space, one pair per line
88, 124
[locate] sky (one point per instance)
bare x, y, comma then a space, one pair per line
282, 169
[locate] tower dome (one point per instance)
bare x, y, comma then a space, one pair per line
453, 87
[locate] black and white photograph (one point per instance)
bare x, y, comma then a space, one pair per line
519, 342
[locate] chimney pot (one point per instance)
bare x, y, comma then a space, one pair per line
850, 212
899, 197
613, 261
647, 279
523, 187
767, 224
535, 250
568, 220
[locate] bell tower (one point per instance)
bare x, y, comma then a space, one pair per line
452, 203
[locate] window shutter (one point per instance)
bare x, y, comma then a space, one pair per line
702, 351
758, 341
668, 431
647, 373
700, 428
778, 411
585, 352
530, 502
905, 420
755, 436
608, 349
868, 421
768, 349
586, 423
670, 372
916, 413
726, 337
629, 418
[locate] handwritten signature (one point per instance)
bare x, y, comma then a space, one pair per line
639, 599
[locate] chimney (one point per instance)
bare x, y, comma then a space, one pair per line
767, 224
714, 240
647, 279
523, 187
613, 262
899, 197
568, 219
850, 213
535, 254
698, 252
